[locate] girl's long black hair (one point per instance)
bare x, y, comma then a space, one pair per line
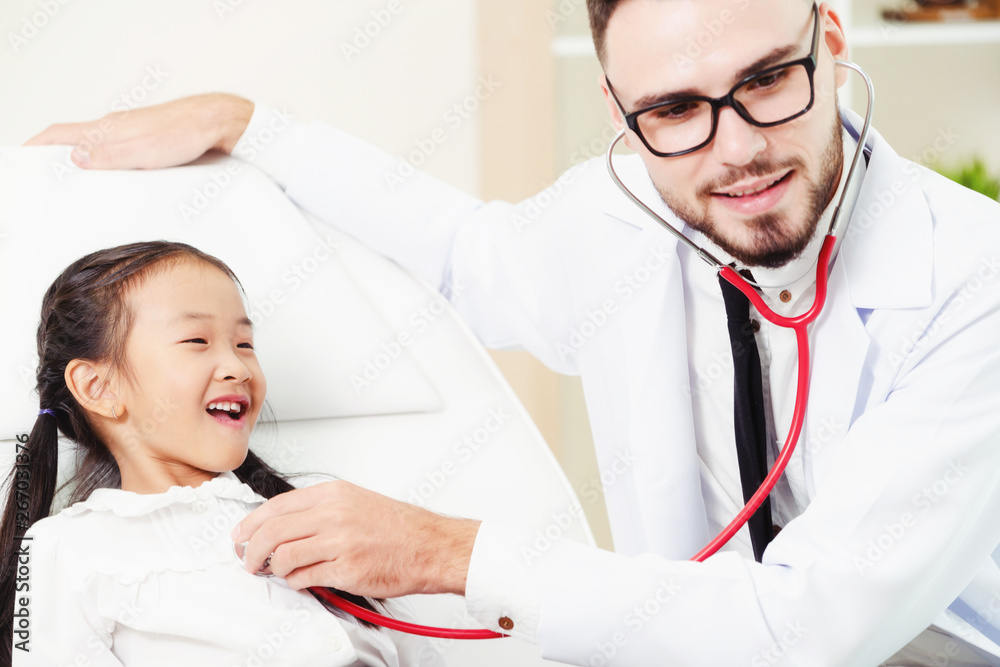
85, 315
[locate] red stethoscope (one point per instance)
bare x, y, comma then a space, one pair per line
799, 324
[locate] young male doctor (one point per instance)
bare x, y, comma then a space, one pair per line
889, 512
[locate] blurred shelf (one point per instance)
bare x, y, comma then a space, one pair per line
957, 33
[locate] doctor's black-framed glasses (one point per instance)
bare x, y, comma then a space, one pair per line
683, 124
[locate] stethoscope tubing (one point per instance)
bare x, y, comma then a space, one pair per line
402, 626
800, 326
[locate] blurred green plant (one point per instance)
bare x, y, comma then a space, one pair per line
973, 175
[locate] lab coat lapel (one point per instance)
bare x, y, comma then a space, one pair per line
840, 345
890, 236
888, 251
672, 519
670, 510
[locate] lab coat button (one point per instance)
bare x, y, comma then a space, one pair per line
785, 296
754, 326
506, 623
333, 644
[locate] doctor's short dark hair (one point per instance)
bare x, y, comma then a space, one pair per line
600, 12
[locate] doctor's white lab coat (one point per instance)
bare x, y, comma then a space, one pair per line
899, 460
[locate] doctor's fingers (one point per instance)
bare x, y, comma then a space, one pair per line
116, 148
342, 555
345, 577
289, 502
317, 562
164, 135
276, 536
323, 508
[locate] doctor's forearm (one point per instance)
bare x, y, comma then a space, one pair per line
448, 552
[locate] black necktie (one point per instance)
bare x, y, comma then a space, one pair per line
751, 431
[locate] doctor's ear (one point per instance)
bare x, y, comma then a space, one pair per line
836, 41
91, 385
617, 119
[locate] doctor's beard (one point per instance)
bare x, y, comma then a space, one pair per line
776, 240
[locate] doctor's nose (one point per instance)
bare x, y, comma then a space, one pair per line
736, 141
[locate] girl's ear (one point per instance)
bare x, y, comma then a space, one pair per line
90, 384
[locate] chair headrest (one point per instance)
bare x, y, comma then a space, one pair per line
315, 331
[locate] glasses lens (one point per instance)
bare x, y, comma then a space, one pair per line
772, 97
676, 127
776, 95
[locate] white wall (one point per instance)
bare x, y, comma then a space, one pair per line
86, 56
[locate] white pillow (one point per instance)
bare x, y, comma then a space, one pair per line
314, 330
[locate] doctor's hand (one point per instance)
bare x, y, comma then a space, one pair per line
164, 135
340, 535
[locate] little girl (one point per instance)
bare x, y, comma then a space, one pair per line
146, 361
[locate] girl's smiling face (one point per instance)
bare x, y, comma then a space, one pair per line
189, 347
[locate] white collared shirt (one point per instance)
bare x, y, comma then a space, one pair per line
710, 364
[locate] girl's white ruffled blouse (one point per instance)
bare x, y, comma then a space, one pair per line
134, 579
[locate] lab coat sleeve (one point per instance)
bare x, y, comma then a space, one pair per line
506, 284
502, 582
65, 624
271, 142
904, 515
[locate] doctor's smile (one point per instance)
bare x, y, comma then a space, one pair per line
752, 190
794, 441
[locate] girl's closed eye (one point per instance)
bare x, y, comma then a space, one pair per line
202, 341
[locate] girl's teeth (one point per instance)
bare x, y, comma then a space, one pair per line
226, 406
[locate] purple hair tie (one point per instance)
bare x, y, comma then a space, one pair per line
46, 410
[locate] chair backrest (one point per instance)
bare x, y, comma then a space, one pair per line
425, 417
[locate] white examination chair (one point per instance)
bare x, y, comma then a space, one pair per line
412, 421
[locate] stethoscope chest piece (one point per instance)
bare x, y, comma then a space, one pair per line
240, 549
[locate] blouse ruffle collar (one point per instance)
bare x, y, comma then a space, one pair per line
129, 503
